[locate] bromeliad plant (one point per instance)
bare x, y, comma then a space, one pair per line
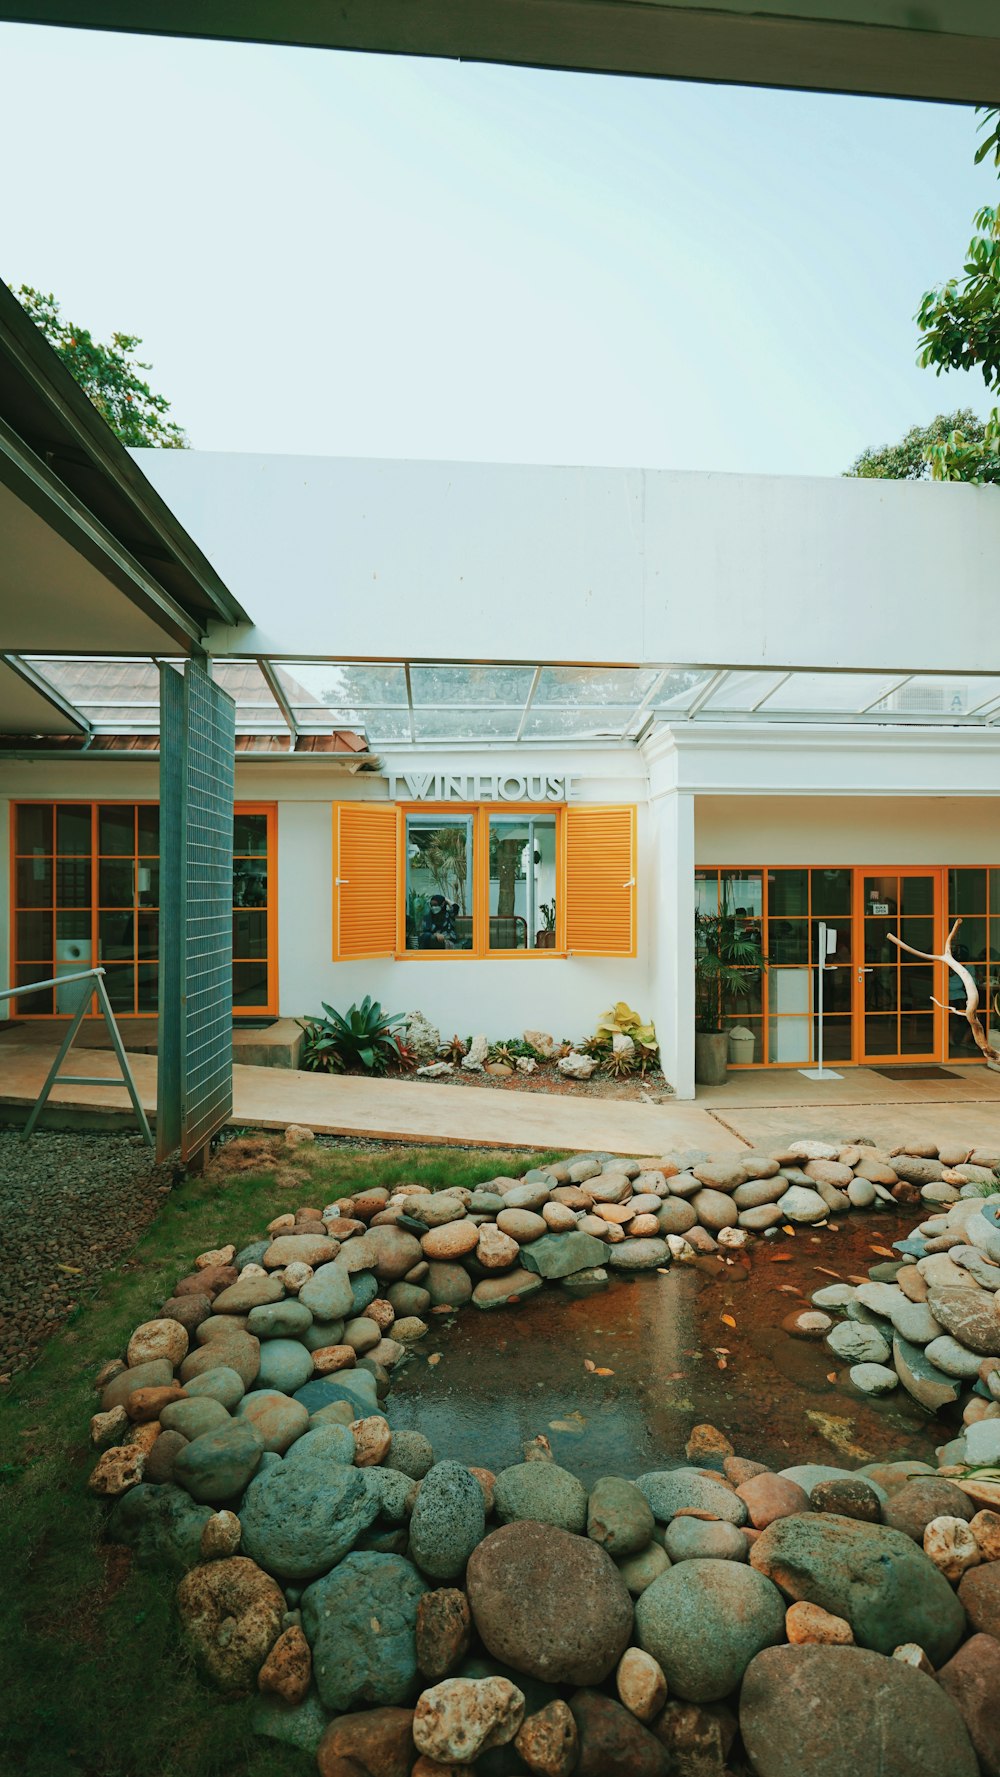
364, 1037
728, 955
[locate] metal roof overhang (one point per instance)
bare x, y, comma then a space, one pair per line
92, 558
943, 49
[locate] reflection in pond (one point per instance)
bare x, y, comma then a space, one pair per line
503, 1378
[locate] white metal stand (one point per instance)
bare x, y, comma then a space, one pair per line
95, 984
819, 1072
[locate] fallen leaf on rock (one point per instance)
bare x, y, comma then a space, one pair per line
781, 1258
604, 1372
786, 1228
831, 1375
589, 1364
885, 1252
727, 1319
722, 1363
790, 1289
435, 1357
826, 1272
852, 1277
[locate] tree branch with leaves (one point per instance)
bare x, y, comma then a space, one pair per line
108, 375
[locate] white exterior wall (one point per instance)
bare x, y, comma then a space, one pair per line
499, 997
483, 561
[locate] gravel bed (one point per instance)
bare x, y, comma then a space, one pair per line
66, 1200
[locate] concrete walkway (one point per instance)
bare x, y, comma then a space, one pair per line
750, 1110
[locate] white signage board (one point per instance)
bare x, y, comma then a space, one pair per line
447, 786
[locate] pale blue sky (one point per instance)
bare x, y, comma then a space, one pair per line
354, 255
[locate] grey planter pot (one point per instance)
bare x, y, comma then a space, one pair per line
711, 1057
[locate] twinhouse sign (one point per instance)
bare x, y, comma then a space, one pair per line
445, 786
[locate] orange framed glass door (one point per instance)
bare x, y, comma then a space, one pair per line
894, 1018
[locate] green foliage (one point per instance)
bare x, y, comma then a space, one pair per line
362, 1037
727, 957
910, 459
108, 375
960, 330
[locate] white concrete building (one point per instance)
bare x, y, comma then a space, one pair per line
504, 731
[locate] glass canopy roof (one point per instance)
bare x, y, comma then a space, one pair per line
421, 702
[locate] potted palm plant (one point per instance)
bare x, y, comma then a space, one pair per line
728, 956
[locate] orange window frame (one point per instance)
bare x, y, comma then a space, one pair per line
269, 1008
481, 812
51, 804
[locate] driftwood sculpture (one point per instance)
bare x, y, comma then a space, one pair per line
971, 1012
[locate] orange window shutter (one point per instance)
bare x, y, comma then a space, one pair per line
600, 881
365, 888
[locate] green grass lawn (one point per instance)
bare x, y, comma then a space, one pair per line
94, 1677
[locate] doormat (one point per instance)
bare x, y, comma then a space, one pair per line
916, 1073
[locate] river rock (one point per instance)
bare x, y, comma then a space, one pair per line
979, 1593
983, 1232
194, 1417
239, 1351
443, 1631
452, 1241
558, 1255
619, 1517
157, 1339
547, 1741
758, 1191
217, 1466
449, 1286
356, 1386
953, 1358
971, 1678
221, 1384
285, 1365
459, 1718
612, 1743
704, 1539
857, 1343
448, 1520
162, 1525
875, 1577
498, 1250
834, 1710
674, 1490
927, 1384
768, 1497
548, 1603
641, 1254
714, 1209
300, 1518
231, 1613
873, 1379
300, 1249
639, 1571
279, 1320
360, 1621
511, 1287
157, 1373
541, 1491
276, 1419
411, 1453
970, 1317
328, 1294
246, 1293
802, 1204
704, 1621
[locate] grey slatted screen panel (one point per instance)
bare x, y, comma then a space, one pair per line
199, 813
173, 752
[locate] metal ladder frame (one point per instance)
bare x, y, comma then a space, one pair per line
95, 977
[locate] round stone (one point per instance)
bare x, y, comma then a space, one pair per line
222, 1384
411, 1453
279, 1320
704, 1539
800, 1204
522, 1225
715, 1210
848, 1499
549, 1604
704, 1621
157, 1339
285, 1365
231, 1613
360, 1621
276, 1419
619, 1517
448, 1285
913, 1507
217, 1466
639, 1571
452, 1241
873, 1378
328, 1294
674, 1490
193, 1417
300, 1518
832, 1710
645, 1254
449, 1519
541, 1491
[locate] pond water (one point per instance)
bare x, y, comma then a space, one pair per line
482, 1385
